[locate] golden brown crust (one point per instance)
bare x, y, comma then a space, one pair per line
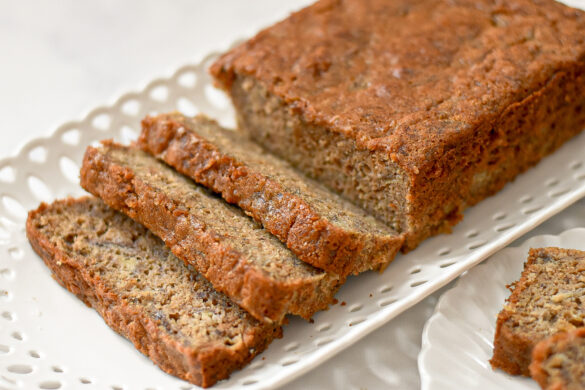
201, 366
514, 342
229, 271
366, 68
512, 353
311, 236
559, 342
461, 110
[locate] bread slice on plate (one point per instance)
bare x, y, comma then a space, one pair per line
318, 225
558, 362
167, 309
239, 257
547, 299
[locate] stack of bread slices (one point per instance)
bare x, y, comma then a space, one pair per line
201, 243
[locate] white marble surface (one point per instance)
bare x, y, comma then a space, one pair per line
59, 59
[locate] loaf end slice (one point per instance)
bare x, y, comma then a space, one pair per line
230, 249
143, 292
558, 362
547, 299
319, 226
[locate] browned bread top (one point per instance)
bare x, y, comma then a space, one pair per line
558, 362
167, 309
319, 226
412, 78
230, 249
548, 298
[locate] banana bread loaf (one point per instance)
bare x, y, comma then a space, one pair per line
169, 311
413, 109
241, 259
319, 226
547, 299
558, 362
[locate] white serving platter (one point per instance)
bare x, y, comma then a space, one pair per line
49, 340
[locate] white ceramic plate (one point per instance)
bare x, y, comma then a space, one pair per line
457, 341
50, 340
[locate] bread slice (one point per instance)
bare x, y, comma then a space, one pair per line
169, 311
558, 362
547, 299
319, 226
231, 250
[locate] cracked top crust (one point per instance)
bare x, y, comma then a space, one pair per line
410, 77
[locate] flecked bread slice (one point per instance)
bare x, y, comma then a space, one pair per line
169, 311
558, 362
319, 226
231, 250
547, 299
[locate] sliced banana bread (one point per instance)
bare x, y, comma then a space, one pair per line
169, 311
239, 257
414, 110
319, 226
548, 298
558, 362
